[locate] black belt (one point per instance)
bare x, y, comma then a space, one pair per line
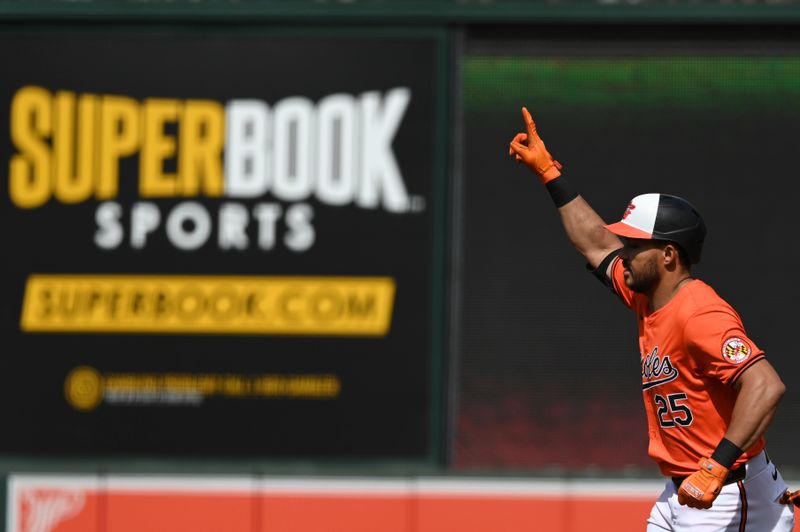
734, 476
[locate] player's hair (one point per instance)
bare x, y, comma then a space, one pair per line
684, 256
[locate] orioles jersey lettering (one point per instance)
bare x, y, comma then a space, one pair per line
692, 351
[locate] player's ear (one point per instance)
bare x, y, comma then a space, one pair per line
671, 255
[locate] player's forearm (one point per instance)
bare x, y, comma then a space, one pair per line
584, 227
586, 231
760, 391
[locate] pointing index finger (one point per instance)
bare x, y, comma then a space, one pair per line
529, 123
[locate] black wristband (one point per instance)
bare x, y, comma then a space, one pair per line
561, 191
726, 453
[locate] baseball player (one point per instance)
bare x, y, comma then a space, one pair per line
708, 390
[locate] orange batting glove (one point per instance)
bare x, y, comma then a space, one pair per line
700, 489
791, 497
528, 148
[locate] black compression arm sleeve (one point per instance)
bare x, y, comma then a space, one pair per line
602, 268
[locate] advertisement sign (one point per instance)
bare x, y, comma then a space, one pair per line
218, 244
43, 503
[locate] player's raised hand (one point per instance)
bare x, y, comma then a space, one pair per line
700, 488
529, 149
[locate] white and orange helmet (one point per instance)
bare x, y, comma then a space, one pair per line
663, 217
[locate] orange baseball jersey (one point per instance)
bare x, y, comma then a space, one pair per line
692, 351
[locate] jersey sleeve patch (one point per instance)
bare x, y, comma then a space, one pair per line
736, 350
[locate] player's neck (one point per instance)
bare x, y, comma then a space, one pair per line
668, 288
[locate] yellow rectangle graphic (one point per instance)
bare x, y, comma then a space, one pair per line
342, 306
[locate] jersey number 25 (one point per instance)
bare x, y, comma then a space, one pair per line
670, 412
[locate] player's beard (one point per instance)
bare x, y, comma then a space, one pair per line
644, 279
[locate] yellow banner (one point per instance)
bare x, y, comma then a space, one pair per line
344, 306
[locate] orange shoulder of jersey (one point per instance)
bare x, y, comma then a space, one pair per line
715, 337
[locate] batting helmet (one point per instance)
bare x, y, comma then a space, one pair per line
663, 217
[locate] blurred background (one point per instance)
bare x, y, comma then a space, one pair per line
268, 266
